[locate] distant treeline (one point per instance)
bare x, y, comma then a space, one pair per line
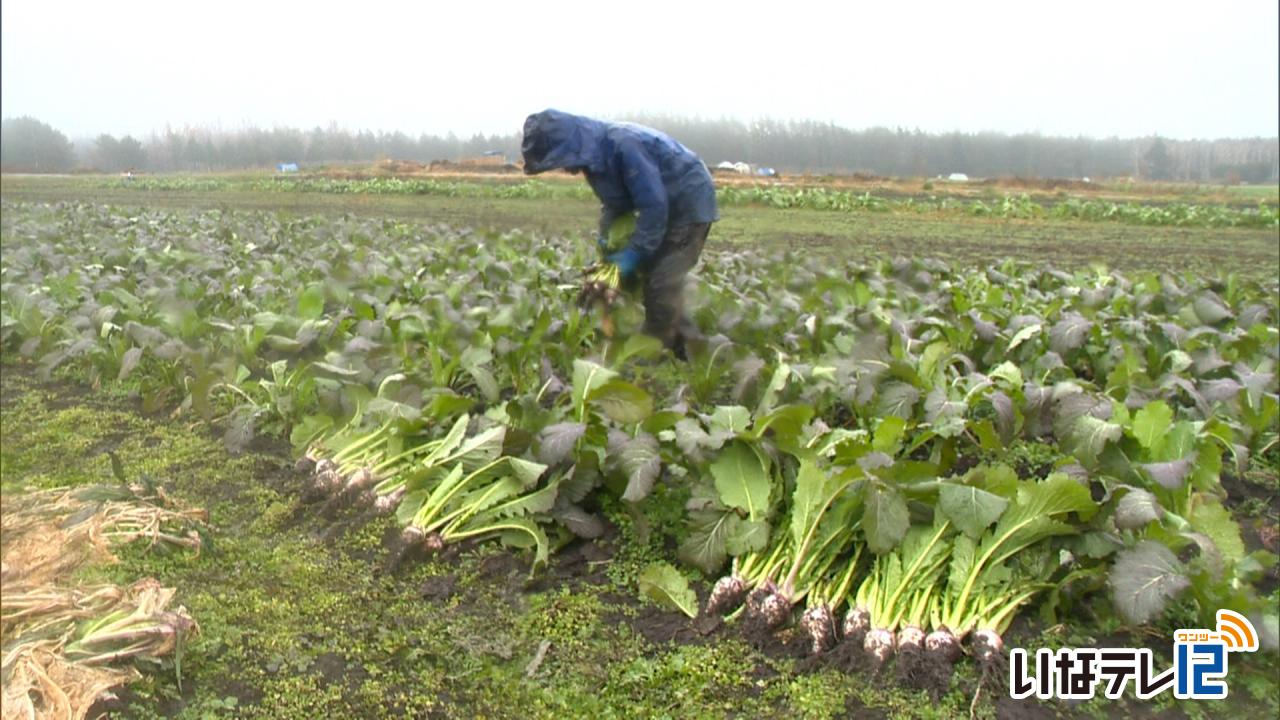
27, 144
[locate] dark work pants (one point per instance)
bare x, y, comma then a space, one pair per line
664, 313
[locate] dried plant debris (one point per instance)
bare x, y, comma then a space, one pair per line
65, 647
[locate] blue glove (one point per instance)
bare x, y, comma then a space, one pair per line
627, 261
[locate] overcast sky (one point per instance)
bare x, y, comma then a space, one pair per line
1124, 68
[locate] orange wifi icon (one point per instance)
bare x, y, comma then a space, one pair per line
1236, 632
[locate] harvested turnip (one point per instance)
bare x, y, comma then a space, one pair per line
820, 624
911, 655
879, 645
857, 622
726, 596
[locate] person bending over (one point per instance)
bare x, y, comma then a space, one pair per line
632, 168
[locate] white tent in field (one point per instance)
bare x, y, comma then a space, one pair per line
738, 167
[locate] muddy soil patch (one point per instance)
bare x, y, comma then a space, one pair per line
438, 588
654, 624
337, 671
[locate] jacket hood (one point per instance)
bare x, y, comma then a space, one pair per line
555, 140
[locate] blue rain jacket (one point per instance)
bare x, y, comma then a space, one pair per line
630, 167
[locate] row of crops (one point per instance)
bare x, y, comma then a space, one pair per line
897, 458
1019, 206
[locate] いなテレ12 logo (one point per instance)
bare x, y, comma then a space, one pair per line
1199, 669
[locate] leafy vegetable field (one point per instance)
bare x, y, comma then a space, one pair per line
1019, 206
879, 467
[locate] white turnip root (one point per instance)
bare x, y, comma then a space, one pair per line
820, 624
726, 596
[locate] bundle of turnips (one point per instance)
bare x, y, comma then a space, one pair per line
967, 572
453, 487
603, 285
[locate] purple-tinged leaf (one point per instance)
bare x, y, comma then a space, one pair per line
578, 521
127, 363
1210, 555
240, 428
885, 519
1170, 475
556, 442
641, 463
1144, 579
359, 345
1220, 390
692, 439
1256, 383
1047, 363
1088, 436
985, 331
1168, 382
705, 546
145, 335
171, 350
552, 385
1241, 454
1174, 332
1076, 472
874, 461
1095, 297
1137, 509
747, 372
1206, 360
1170, 286
1070, 408
1069, 333
1136, 397
938, 406
1256, 314
1210, 308
897, 399
52, 360
1037, 409
1005, 417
